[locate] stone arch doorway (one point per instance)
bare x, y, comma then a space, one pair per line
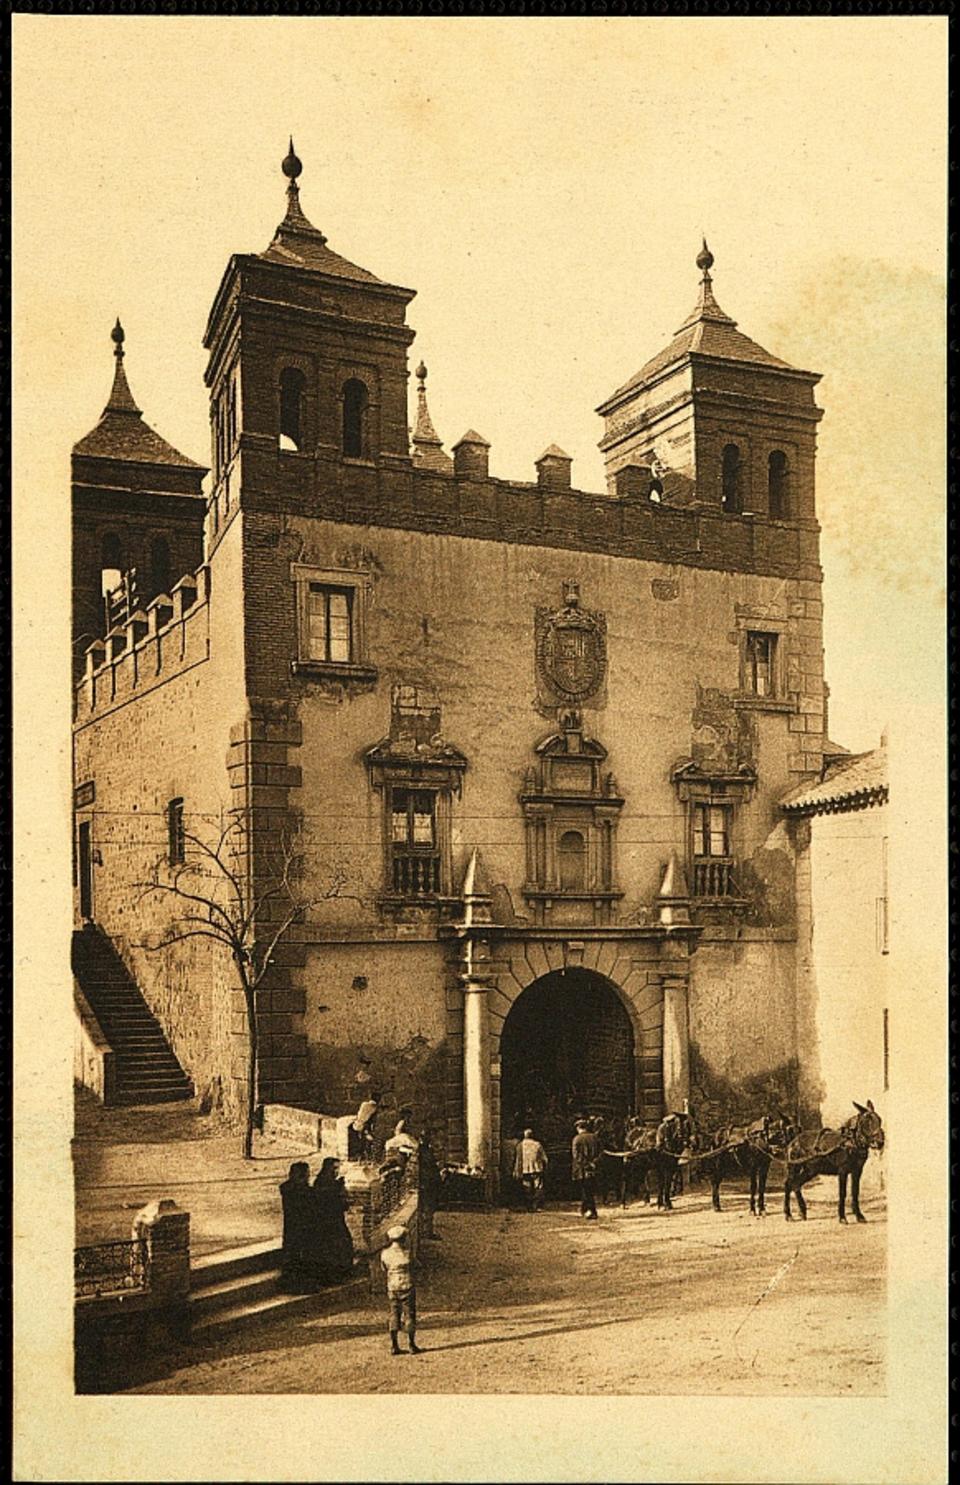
567, 1047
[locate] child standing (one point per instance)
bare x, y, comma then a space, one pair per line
401, 1291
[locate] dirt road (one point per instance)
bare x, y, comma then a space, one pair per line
638, 1302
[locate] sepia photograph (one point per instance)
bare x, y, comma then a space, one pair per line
481, 758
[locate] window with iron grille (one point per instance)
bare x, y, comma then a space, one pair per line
176, 838
761, 663
329, 624
414, 846
712, 850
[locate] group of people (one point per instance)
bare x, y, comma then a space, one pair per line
531, 1159
317, 1246
531, 1163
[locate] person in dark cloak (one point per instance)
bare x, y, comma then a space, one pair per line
332, 1243
298, 1224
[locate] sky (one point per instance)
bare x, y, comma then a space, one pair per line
544, 186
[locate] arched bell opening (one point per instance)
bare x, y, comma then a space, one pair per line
567, 1048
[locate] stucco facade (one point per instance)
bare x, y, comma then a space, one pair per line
529, 736
841, 829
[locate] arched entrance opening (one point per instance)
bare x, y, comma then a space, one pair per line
566, 1049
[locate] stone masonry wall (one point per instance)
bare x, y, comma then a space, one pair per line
142, 739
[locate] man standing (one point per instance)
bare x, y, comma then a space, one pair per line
529, 1166
585, 1152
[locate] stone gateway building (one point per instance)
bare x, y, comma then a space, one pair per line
531, 741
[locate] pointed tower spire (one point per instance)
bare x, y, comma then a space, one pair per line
295, 221
427, 446
121, 398
673, 899
121, 433
475, 892
706, 307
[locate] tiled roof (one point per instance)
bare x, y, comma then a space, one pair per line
852, 783
121, 432
300, 244
301, 251
120, 435
704, 333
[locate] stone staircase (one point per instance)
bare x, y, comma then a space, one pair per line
232, 1290
147, 1070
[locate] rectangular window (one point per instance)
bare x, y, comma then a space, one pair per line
414, 843
761, 656
176, 839
329, 624
712, 850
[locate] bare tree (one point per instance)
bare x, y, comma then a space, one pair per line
215, 893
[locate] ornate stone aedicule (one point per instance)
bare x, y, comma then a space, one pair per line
571, 805
571, 651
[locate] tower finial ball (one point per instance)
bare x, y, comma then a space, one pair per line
291, 166
422, 372
705, 258
117, 334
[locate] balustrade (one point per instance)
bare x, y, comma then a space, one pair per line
416, 876
713, 879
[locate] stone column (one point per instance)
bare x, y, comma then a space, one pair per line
476, 1073
676, 1043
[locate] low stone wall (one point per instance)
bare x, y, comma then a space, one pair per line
304, 1128
94, 1061
130, 1293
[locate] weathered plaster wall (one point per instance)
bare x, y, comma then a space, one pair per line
376, 1018
850, 968
458, 616
743, 1026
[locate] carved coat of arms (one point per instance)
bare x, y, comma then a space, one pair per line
571, 649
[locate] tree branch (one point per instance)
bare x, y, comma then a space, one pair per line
177, 938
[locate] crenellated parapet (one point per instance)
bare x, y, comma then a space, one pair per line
159, 641
468, 502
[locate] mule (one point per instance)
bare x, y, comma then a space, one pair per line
615, 1176
625, 1173
664, 1147
834, 1152
746, 1150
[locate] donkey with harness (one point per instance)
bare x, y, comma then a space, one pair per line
647, 1151
834, 1152
745, 1150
